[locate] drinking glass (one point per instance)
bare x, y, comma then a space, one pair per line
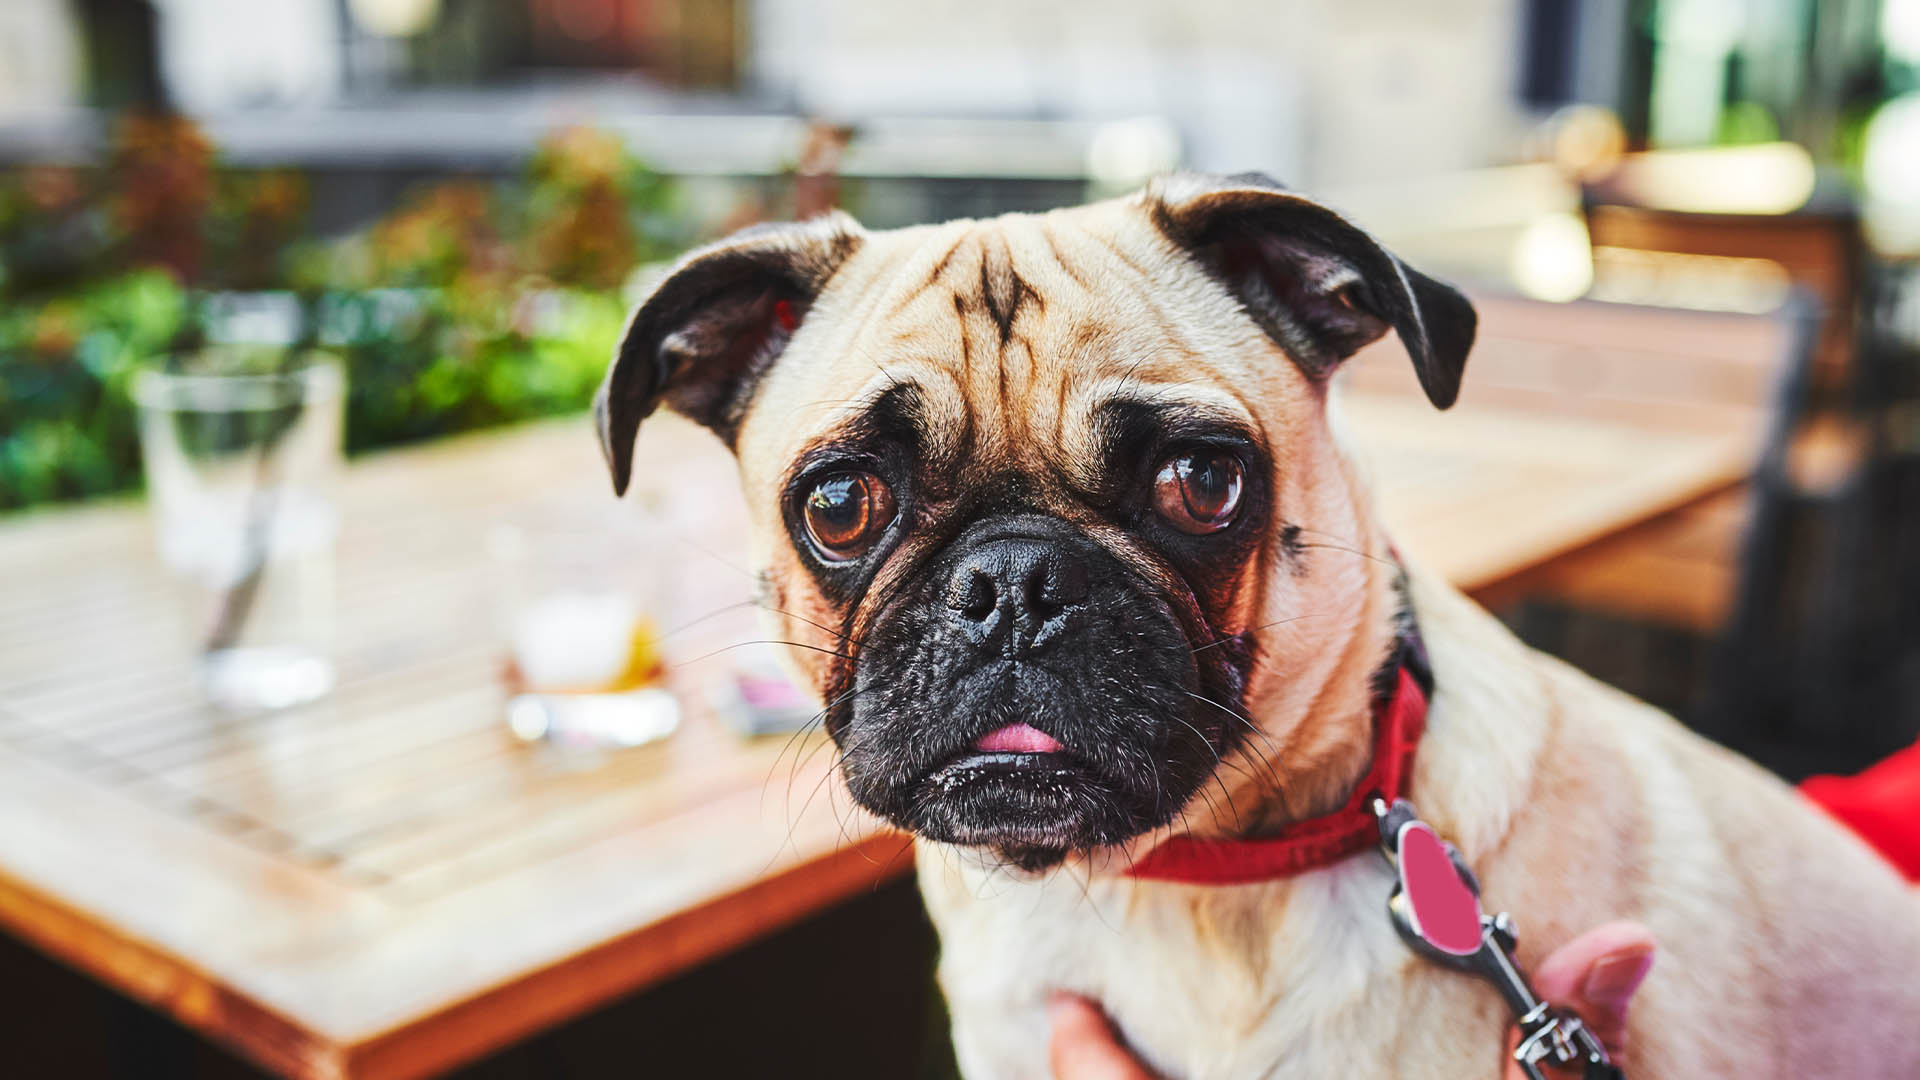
241, 449
581, 598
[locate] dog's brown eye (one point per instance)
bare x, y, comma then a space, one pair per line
846, 514
1199, 492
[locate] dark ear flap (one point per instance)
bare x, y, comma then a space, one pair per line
707, 333
1317, 285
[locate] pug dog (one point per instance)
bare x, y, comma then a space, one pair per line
1059, 508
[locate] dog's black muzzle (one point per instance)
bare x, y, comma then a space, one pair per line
1025, 633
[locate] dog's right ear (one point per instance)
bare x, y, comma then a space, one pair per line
713, 326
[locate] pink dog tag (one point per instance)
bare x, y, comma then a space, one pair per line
1436, 909
1441, 908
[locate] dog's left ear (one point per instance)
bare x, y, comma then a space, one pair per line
1319, 286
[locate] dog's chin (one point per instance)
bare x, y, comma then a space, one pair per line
1031, 810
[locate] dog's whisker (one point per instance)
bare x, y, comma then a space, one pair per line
760, 641
838, 635
799, 734
1218, 764
1159, 793
840, 817
800, 763
1256, 629
854, 744
826, 775
1086, 898
683, 538
1252, 729
888, 865
1341, 543
707, 616
794, 739
1350, 551
1213, 809
1239, 770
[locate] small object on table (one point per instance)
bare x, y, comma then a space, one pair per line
240, 445
585, 666
757, 698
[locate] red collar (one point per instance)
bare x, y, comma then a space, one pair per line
1398, 720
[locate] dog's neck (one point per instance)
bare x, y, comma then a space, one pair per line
1326, 748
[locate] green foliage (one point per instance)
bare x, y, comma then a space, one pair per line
470, 305
1744, 123
421, 363
67, 429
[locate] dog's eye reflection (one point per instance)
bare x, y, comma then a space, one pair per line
846, 513
1199, 492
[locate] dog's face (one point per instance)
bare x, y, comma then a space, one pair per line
1031, 493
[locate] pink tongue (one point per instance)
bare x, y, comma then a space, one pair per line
1018, 739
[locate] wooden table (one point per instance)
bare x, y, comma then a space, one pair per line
1579, 427
388, 884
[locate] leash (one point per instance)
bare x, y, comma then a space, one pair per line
1435, 903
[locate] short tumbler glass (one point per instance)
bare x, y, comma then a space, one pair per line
582, 592
242, 450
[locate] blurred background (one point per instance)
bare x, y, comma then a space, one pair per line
457, 201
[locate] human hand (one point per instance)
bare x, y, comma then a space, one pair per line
1595, 975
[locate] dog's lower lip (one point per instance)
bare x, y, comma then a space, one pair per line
1018, 739
1003, 763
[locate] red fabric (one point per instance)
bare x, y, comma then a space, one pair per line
1881, 804
1316, 842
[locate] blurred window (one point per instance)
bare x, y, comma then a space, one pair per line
687, 43
1551, 43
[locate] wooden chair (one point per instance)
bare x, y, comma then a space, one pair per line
1819, 668
1818, 245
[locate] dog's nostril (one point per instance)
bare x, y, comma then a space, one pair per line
974, 596
1036, 593
1058, 584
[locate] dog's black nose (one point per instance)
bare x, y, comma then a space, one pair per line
1016, 594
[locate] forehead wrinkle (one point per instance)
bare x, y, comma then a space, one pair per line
942, 424
861, 314
933, 361
1149, 333
874, 262
1137, 273
1060, 256
1076, 333
916, 271
946, 423
1208, 400
851, 411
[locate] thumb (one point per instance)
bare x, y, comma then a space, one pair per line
1596, 975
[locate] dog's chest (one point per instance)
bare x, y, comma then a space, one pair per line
1299, 978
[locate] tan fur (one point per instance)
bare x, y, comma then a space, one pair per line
1788, 950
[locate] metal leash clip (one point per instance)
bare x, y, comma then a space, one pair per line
1436, 908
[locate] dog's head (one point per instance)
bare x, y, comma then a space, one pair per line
1040, 491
